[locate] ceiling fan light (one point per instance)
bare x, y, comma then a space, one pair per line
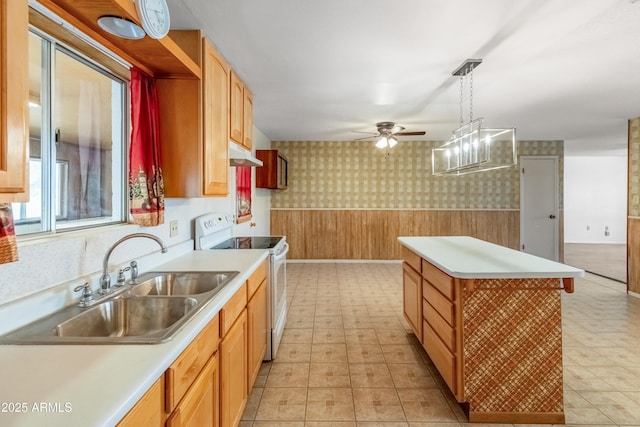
392, 142
382, 143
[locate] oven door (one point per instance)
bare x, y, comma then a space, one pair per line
278, 297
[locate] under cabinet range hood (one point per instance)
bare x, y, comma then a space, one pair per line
241, 157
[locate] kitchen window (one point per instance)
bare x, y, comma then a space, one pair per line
77, 126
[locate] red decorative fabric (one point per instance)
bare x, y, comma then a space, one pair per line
8, 244
146, 185
243, 193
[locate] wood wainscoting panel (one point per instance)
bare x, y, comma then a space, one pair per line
372, 234
633, 254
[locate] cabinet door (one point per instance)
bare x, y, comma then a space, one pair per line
200, 406
216, 122
233, 372
236, 109
412, 298
149, 410
183, 371
257, 331
14, 113
247, 123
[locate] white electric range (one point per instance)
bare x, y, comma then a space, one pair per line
214, 231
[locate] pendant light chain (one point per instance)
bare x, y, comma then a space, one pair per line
461, 97
471, 97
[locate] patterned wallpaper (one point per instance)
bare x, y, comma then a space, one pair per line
356, 175
634, 167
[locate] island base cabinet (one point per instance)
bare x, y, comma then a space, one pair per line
412, 299
521, 383
234, 372
200, 406
497, 343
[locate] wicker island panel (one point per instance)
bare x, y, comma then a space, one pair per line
513, 345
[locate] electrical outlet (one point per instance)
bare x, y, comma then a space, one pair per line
173, 228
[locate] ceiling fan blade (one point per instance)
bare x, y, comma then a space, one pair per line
369, 133
410, 133
365, 137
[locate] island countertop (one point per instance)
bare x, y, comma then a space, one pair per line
470, 258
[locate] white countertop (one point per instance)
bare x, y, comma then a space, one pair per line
468, 258
96, 385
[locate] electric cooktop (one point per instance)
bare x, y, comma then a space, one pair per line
266, 242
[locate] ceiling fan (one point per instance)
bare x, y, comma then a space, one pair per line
388, 133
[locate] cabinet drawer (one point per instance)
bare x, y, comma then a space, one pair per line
438, 278
200, 405
440, 303
184, 370
440, 356
232, 309
412, 259
440, 326
253, 283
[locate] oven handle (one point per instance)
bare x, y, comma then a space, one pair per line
283, 254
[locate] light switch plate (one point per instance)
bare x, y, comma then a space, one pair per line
173, 228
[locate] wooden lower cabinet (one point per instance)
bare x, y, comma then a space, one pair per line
208, 384
472, 328
412, 299
149, 411
200, 407
257, 332
234, 372
183, 371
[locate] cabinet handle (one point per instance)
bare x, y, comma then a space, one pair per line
552, 216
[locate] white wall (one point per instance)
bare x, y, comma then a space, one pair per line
595, 197
47, 262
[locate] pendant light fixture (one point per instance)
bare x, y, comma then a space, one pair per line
473, 147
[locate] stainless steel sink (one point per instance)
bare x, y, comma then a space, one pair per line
181, 283
149, 312
128, 317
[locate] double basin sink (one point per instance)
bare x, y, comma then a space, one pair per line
151, 311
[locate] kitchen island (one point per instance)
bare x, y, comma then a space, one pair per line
490, 319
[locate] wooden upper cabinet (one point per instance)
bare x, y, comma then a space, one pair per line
241, 112
194, 126
236, 109
248, 118
216, 122
14, 110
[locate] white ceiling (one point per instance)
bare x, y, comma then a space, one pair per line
554, 69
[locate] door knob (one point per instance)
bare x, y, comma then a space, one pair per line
552, 216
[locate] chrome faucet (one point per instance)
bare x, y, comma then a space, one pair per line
105, 280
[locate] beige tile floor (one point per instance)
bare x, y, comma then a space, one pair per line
348, 359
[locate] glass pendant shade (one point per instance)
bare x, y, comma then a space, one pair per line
474, 148
382, 143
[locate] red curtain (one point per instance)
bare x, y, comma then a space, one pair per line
146, 186
8, 244
243, 193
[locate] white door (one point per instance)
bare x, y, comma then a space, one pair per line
539, 206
